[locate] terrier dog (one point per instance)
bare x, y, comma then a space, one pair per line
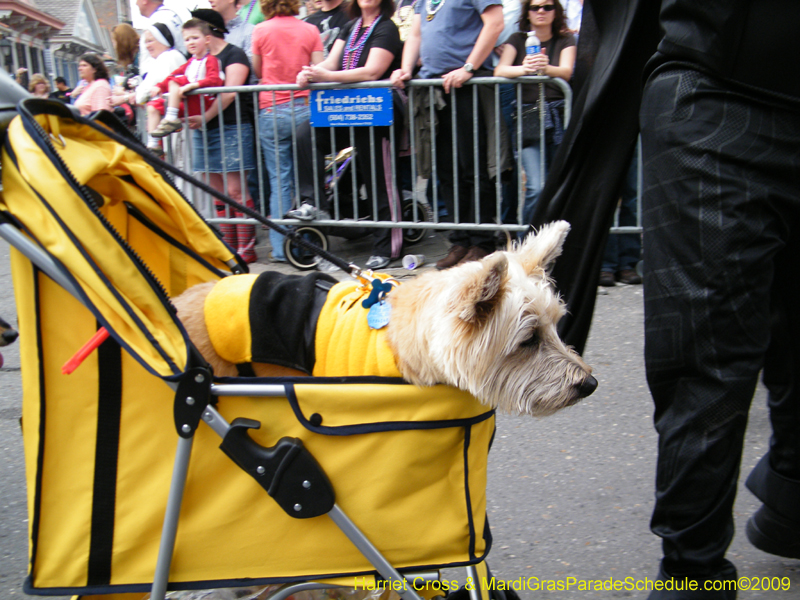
7, 336
487, 327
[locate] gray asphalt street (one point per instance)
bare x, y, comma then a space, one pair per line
570, 495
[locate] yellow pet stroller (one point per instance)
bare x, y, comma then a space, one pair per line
372, 481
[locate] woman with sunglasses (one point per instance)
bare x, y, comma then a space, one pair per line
557, 59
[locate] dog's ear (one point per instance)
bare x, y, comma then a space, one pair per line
484, 290
540, 250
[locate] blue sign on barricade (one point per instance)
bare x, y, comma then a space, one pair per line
347, 108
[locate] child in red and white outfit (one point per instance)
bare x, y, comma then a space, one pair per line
201, 71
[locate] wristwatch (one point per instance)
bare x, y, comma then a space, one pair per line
469, 68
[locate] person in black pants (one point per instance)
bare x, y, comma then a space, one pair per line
367, 49
454, 40
720, 126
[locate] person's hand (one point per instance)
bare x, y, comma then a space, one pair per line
188, 88
399, 78
317, 73
195, 122
155, 93
304, 77
455, 79
535, 63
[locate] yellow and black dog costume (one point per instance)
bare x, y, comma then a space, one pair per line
309, 323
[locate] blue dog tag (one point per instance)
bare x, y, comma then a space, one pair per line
379, 315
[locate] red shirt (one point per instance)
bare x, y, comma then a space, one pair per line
285, 45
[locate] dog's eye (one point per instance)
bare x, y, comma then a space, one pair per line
532, 341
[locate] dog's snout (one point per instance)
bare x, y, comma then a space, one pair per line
9, 335
587, 386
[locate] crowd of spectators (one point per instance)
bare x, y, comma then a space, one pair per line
346, 41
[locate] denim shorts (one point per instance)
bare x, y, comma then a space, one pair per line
213, 149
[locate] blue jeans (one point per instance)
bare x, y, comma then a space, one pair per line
275, 133
530, 159
509, 207
623, 250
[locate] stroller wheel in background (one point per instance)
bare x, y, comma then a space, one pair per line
300, 257
424, 213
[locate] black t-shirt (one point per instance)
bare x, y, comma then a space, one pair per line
385, 36
553, 48
232, 55
62, 96
330, 24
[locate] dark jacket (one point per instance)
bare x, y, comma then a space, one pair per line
755, 44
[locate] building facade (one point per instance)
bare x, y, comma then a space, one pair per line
48, 36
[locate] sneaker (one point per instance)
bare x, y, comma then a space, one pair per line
628, 277
377, 262
474, 253
770, 532
166, 127
157, 151
306, 212
456, 254
607, 279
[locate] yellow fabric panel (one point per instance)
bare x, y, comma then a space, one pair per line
405, 489
70, 431
226, 313
38, 171
396, 403
100, 164
147, 433
344, 343
22, 271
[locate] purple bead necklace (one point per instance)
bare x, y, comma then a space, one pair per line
354, 47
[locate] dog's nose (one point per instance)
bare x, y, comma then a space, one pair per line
587, 386
9, 335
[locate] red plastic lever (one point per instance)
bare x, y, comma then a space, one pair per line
89, 347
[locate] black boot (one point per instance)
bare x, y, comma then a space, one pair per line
770, 532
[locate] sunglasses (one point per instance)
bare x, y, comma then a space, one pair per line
538, 7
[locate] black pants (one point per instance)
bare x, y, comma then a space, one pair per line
467, 136
721, 216
385, 242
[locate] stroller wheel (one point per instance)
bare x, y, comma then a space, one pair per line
424, 213
300, 257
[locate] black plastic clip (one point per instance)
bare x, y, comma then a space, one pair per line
287, 471
191, 399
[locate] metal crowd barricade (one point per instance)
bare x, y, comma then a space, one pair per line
355, 218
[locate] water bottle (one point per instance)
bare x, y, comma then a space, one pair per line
532, 44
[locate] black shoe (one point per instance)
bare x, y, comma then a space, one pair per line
629, 277
607, 279
770, 532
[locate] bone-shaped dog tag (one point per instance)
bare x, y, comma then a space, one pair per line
379, 315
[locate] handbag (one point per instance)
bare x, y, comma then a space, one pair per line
531, 127
531, 130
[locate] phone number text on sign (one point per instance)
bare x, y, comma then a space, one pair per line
347, 108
